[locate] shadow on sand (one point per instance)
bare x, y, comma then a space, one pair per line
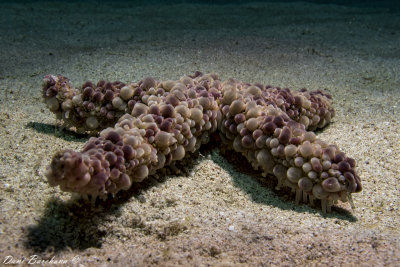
66, 225
262, 189
75, 224
57, 131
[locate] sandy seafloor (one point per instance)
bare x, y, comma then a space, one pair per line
215, 213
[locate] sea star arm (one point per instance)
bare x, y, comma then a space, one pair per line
163, 124
269, 127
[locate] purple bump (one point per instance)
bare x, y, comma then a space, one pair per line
101, 83
114, 174
168, 111
281, 150
166, 126
173, 100
137, 92
85, 104
278, 120
233, 128
244, 131
344, 166
109, 95
103, 112
200, 88
118, 152
120, 161
204, 93
259, 101
285, 135
132, 163
268, 119
227, 123
225, 109
100, 178
110, 115
248, 141
339, 157
214, 115
178, 128
97, 141
352, 185
90, 106
118, 84
290, 113
109, 106
88, 84
215, 94
149, 132
269, 127
321, 111
358, 182
154, 109
160, 91
158, 119
260, 141
108, 146
295, 141
113, 136
257, 133
96, 164
97, 96
316, 164
129, 152
108, 86
131, 104
87, 92
206, 118
351, 161
196, 74
89, 145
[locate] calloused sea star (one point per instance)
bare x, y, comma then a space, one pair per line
150, 124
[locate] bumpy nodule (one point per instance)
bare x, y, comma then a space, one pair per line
150, 124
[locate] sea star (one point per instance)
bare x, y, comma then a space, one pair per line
158, 122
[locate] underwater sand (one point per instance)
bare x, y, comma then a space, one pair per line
216, 213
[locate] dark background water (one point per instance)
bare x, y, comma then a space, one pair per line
358, 3
59, 29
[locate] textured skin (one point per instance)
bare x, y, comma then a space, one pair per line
156, 123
